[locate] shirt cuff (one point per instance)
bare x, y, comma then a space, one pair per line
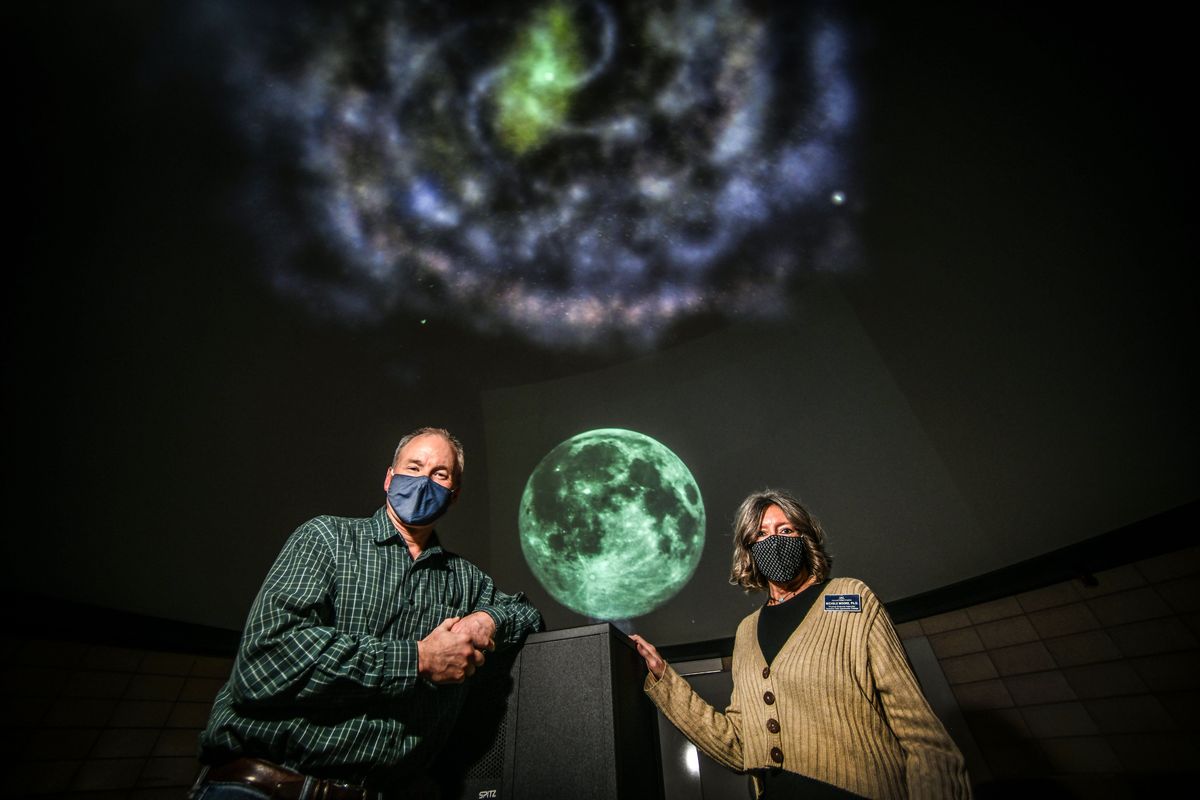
657, 687
400, 668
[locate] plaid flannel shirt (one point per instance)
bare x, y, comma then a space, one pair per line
325, 679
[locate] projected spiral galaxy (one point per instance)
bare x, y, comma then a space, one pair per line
570, 172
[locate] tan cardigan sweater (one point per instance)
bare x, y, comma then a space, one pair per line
845, 704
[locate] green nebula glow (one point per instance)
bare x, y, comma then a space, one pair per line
612, 523
540, 75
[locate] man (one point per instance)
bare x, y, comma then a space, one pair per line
350, 672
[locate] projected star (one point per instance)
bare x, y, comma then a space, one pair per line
567, 171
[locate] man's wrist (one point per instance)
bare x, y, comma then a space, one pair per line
496, 619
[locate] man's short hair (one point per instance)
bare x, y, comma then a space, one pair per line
445, 434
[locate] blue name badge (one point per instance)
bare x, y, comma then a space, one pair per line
844, 602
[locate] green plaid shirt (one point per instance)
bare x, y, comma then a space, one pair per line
325, 679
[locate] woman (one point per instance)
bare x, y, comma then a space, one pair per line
824, 703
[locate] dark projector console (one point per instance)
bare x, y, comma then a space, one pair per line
564, 717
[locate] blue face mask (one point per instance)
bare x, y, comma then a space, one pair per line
417, 499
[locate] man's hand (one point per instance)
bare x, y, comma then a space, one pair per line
480, 627
650, 655
446, 655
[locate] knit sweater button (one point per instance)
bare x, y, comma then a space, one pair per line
773, 725
769, 698
766, 672
776, 755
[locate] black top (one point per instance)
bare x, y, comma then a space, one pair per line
776, 623
779, 784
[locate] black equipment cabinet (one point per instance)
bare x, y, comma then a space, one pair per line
563, 717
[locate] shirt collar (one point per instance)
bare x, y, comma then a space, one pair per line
382, 530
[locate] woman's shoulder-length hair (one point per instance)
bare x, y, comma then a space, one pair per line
745, 529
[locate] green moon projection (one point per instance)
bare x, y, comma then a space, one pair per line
612, 523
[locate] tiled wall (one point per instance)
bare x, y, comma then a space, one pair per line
87, 721
1087, 687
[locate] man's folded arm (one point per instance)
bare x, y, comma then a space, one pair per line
291, 653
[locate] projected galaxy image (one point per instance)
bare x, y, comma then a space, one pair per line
568, 172
612, 524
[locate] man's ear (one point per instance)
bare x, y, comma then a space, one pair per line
387, 478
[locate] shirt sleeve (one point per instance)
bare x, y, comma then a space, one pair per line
292, 653
934, 767
515, 617
717, 734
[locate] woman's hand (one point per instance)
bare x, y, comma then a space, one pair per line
653, 660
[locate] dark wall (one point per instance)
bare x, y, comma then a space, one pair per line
998, 371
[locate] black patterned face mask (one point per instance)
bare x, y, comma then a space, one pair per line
778, 558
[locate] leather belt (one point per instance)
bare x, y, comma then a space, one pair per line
283, 783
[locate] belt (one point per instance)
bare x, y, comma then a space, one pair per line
283, 783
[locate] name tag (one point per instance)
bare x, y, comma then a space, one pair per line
844, 602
